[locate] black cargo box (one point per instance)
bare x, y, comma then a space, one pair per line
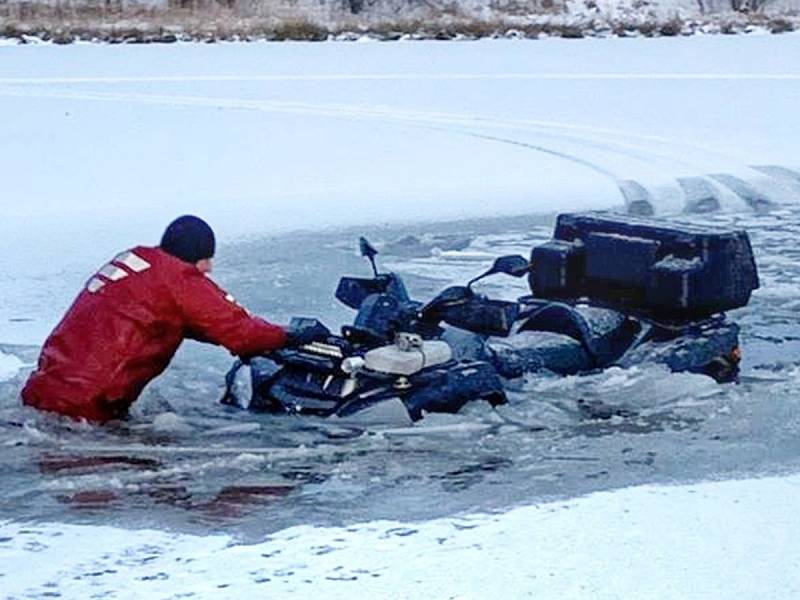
669, 270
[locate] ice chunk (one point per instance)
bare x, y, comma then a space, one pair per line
9, 366
170, 423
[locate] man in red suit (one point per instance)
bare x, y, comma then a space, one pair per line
128, 322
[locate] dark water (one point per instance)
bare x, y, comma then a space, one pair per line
185, 462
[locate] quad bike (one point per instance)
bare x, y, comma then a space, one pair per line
607, 290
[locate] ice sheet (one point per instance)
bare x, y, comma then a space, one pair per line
108, 143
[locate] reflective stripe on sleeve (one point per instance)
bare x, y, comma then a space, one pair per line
95, 285
232, 300
113, 273
134, 262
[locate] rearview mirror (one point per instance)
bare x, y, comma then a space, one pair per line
368, 251
514, 265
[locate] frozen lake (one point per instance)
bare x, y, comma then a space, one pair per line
108, 143
443, 141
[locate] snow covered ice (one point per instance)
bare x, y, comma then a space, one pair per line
431, 149
604, 546
112, 141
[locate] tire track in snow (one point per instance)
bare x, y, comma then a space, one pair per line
605, 134
781, 173
435, 121
344, 110
537, 148
645, 149
389, 113
634, 147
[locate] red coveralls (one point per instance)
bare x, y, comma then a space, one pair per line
125, 327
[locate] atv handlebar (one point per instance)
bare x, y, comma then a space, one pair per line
385, 306
462, 308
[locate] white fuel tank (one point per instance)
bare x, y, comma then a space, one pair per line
393, 360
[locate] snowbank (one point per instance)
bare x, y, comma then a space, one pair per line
713, 540
169, 28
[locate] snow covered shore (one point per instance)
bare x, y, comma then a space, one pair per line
170, 28
159, 21
734, 539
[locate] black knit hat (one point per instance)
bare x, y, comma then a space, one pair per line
189, 238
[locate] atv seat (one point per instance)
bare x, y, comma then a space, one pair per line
603, 333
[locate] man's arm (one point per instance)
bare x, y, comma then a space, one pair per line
213, 316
